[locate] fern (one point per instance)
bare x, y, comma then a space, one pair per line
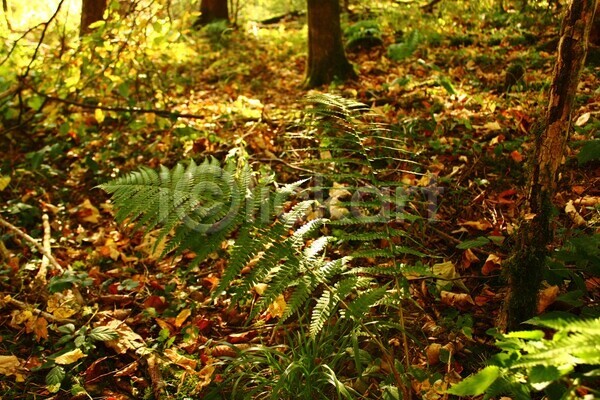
198, 206
542, 363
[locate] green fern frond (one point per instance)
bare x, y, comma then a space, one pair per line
361, 305
321, 313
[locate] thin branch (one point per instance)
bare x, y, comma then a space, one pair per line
24, 306
162, 113
31, 240
37, 48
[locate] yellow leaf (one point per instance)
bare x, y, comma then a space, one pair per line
4, 181
181, 317
62, 306
9, 365
87, 212
547, 297
69, 357
184, 362
99, 115
277, 308
447, 271
150, 118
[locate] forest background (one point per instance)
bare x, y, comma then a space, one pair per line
278, 205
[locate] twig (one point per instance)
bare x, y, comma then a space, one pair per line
43, 271
31, 240
46, 315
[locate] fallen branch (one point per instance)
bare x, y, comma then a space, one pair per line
32, 241
161, 113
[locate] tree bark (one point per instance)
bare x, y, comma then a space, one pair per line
326, 58
528, 260
213, 10
91, 11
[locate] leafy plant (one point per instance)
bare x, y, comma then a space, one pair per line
400, 51
76, 345
199, 206
564, 366
365, 33
305, 368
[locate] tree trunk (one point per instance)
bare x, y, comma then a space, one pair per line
213, 10
528, 260
326, 58
91, 11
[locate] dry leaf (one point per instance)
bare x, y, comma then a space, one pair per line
9, 365
39, 327
492, 263
516, 156
433, 353
181, 317
260, 288
128, 339
461, 301
573, 214
447, 271
583, 119
69, 357
277, 308
479, 225
178, 359
547, 297
62, 305
468, 258
4, 181
87, 212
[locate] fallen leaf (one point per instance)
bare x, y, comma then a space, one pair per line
9, 365
128, 339
4, 181
277, 308
39, 327
468, 258
69, 357
574, 215
87, 212
479, 225
492, 263
178, 359
181, 317
547, 296
461, 301
433, 353
583, 119
447, 271
62, 305
516, 156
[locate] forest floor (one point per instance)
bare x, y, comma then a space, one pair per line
468, 131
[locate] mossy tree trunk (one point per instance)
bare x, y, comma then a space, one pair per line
326, 57
528, 260
213, 10
91, 11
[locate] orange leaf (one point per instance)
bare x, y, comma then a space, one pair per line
493, 263
547, 297
516, 156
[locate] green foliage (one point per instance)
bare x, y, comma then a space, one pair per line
200, 206
400, 51
365, 33
305, 368
528, 362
